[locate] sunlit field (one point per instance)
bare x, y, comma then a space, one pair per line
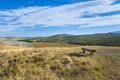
59, 39
59, 63
4, 46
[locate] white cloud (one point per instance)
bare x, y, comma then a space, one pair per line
104, 21
65, 15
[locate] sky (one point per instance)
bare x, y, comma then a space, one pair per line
32, 18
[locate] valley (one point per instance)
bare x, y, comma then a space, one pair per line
53, 59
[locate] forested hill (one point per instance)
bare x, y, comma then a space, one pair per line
108, 39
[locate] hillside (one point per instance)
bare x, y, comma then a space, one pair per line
4, 46
65, 63
109, 39
12, 38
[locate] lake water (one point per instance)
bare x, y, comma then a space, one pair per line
14, 42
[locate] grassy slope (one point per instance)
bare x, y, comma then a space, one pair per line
11, 38
10, 46
108, 39
60, 63
50, 44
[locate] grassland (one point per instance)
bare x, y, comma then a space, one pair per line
11, 38
108, 39
50, 44
60, 63
4, 46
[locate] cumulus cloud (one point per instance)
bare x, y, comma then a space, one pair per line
59, 16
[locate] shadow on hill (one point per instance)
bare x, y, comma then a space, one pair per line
80, 54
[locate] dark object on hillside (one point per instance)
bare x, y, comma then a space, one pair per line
89, 50
81, 54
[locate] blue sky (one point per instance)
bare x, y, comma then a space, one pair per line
27, 18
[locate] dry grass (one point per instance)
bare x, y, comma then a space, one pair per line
2, 38
60, 63
4, 46
11, 38
50, 44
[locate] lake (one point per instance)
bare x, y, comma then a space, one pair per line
14, 42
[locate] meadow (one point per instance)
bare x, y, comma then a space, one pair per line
4, 46
57, 62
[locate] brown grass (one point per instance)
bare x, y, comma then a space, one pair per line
4, 46
60, 63
50, 44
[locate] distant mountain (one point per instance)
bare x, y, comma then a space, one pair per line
108, 39
118, 32
60, 37
54, 38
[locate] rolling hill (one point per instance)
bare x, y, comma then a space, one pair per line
108, 39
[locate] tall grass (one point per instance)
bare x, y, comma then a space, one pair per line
4, 46
60, 63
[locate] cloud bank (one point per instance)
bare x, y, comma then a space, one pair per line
82, 14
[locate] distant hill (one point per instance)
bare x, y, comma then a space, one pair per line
59, 36
118, 32
109, 39
54, 38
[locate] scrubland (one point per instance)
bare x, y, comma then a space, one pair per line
60, 63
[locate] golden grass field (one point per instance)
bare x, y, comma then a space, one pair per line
4, 46
59, 63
